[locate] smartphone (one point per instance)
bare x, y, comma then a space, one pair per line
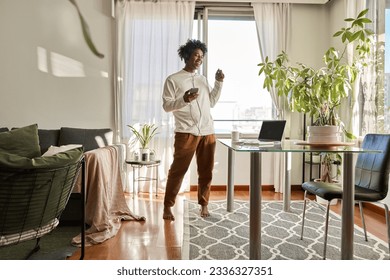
194, 90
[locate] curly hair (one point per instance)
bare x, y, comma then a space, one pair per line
185, 51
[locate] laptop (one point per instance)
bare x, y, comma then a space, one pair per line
271, 132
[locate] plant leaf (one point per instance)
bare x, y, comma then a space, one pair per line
362, 13
86, 33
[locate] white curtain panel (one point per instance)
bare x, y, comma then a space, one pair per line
349, 109
148, 36
372, 81
273, 21
363, 118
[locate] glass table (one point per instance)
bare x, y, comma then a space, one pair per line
287, 147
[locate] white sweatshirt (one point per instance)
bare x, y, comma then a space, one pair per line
193, 117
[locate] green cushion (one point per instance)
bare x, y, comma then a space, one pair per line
58, 160
22, 141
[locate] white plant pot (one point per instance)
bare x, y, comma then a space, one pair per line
324, 134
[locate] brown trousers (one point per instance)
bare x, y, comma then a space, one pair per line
185, 146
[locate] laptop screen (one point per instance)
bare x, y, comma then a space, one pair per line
272, 130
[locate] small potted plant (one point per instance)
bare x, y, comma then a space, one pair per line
144, 136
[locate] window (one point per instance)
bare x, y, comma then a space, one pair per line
233, 47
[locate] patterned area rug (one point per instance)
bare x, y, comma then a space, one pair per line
224, 235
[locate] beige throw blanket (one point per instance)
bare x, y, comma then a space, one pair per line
105, 201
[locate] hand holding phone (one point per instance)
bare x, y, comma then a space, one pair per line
191, 94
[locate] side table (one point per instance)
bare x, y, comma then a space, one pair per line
149, 164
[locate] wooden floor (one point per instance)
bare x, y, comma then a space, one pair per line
157, 239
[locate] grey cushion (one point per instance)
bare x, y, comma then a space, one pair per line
47, 138
90, 138
22, 141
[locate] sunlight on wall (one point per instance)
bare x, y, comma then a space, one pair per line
104, 74
63, 66
42, 59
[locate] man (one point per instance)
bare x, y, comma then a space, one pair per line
189, 97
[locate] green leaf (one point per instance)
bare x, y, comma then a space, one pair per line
338, 33
349, 134
86, 32
344, 37
366, 20
356, 35
358, 22
145, 134
362, 13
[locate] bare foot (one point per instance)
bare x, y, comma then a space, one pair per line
167, 215
204, 211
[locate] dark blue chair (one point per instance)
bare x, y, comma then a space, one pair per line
371, 182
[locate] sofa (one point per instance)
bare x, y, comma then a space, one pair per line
105, 175
89, 139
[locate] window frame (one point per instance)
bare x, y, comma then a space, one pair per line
202, 15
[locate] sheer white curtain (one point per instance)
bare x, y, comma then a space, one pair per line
372, 77
148, 36
349, 110
273, 21
361, 114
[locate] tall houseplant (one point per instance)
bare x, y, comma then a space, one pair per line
319, 92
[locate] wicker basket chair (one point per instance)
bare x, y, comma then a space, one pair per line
32, 200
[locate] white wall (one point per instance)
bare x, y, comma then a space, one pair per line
33, 89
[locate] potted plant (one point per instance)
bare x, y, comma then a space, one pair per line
144, 136
319, 92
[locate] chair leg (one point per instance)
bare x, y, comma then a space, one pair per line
363, 221
36, 248
326, 230
303, 214
388, 226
